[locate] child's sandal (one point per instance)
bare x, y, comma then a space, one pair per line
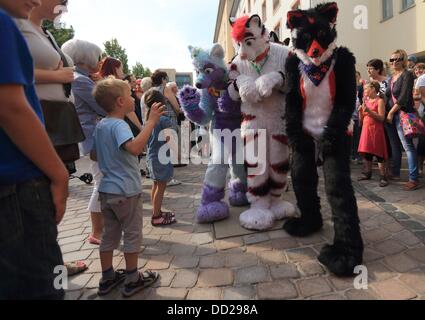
166, 220
365, 176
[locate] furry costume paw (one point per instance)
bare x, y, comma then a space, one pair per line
237, 196
226, 104
341, 261
189, 96
265, 84
247, 89
302, 228
212, 212
283, 209
257, 219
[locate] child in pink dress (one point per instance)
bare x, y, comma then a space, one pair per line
372, 141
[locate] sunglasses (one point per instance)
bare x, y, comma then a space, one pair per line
396, 60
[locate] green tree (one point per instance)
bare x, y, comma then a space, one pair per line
62, 34
140, 72
113, 49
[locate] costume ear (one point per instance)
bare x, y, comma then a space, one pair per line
329, 10
217, 51
254, 20
296, 19
232, 21
287, 41
273, 37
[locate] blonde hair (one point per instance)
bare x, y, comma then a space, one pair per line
403, 54
108, 90
374, 85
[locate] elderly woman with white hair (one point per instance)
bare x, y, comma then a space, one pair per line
87, 58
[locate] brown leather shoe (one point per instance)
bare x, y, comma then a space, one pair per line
412, 186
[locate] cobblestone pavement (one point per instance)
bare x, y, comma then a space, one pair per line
271, 265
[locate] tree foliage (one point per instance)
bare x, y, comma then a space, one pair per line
140, 72
61, 34
115, 50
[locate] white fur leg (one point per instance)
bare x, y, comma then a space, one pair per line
247, 89
282, 209
234, 95
259, 217
266, 83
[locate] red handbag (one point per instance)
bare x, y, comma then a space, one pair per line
412, 125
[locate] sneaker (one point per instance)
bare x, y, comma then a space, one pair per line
107, 286
174, 183
146, 279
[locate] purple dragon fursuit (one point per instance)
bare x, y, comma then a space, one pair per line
209, 104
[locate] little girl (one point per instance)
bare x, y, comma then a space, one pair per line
161, 173
372, 141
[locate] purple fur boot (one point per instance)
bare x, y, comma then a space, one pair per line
237, 196
212, 208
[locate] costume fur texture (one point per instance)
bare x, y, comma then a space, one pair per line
202, 108
319, 107
261, 88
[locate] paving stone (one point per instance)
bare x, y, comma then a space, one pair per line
157, 249
341, 283
311, 268
73, 295
78, 282
389, 247
299, 255
213, 261
413, 225
401, 263
314, 239
215, 278
185, 262
94, 281
251, 275
185, 279
407, 238
76, 256
150, 240
256, 238
79, 238
205, 250
165, 278
204, 294
393, 227
71, 247
284, 244
229, 243
167, 294
272, 257
278, 290
278, 234
376, 235
361, 295
330, 297
239, 293
180, 249
159, 262
370, 255
284, 271
241, 260
202, 238
63, 228
394, 290
258, 247
417, 254
313, 287
420, 235
379, 272
415, 280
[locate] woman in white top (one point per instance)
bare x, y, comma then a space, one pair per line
53, 76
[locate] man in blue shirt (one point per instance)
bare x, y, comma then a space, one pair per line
33, 180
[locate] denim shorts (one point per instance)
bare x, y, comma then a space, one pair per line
29, 252
160, 172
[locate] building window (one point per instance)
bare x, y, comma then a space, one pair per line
264, 11
276, 5
183, 79
406, 4
387, 9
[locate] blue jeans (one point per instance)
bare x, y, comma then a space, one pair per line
396, 153
29, 251
410, 148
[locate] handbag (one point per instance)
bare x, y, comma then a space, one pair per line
411, 124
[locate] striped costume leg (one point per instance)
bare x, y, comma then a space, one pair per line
279, 168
